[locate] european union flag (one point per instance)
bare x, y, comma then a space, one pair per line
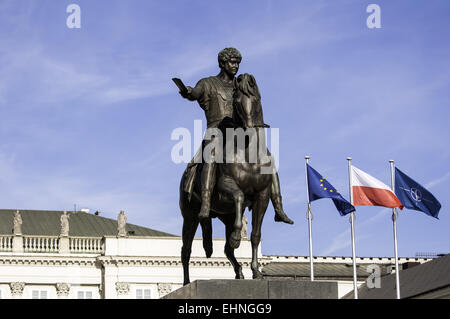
319, 187
415, 196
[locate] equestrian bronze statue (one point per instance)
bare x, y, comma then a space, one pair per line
212, 188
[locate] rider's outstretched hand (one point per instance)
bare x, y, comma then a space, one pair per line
186, 94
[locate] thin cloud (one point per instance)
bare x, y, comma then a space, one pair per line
437, 181
343, 239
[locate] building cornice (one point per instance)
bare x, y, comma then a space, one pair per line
48, 260
154, 261
91, 260
173, 261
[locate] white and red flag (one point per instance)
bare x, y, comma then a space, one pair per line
369, 191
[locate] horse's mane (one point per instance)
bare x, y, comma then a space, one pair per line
246, 83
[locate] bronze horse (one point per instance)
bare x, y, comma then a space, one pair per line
240, 184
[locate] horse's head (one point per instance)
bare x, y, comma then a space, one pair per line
247, 101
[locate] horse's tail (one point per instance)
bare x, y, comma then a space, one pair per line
207, 236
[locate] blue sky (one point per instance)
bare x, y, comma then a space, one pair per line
87, 114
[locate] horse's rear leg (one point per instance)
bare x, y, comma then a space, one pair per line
190, 225
207, 236
259, 209
228, 220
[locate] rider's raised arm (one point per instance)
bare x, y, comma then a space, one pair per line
198, 92
201, 93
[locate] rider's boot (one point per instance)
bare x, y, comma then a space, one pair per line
280, 215
207, 185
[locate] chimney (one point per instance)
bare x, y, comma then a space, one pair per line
390, 269
409, 265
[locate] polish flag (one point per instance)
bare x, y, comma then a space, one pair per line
369, 191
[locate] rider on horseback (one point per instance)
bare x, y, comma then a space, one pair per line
215, 96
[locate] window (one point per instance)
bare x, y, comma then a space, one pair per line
143, 294
39, 294
84, 295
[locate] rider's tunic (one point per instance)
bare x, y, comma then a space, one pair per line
215, 97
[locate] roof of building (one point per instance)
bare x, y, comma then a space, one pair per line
323, 269
348, 259
47, 222
414, 281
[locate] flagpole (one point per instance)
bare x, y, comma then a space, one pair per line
352, 219
394, 222
309, 220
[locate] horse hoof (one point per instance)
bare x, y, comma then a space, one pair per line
257, 275
239, 274
235, 240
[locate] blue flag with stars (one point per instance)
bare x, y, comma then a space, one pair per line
415, 196
319, 187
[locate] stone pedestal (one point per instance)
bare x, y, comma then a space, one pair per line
17, 244
256, 289
64, 247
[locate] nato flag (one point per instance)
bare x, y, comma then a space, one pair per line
319, 187
414, 196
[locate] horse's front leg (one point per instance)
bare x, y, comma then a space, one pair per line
259, 209
228, 220
228, 186
235, 237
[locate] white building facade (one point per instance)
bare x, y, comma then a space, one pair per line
120, 266
117, 267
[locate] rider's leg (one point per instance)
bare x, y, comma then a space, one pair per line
280, 215
208, 179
